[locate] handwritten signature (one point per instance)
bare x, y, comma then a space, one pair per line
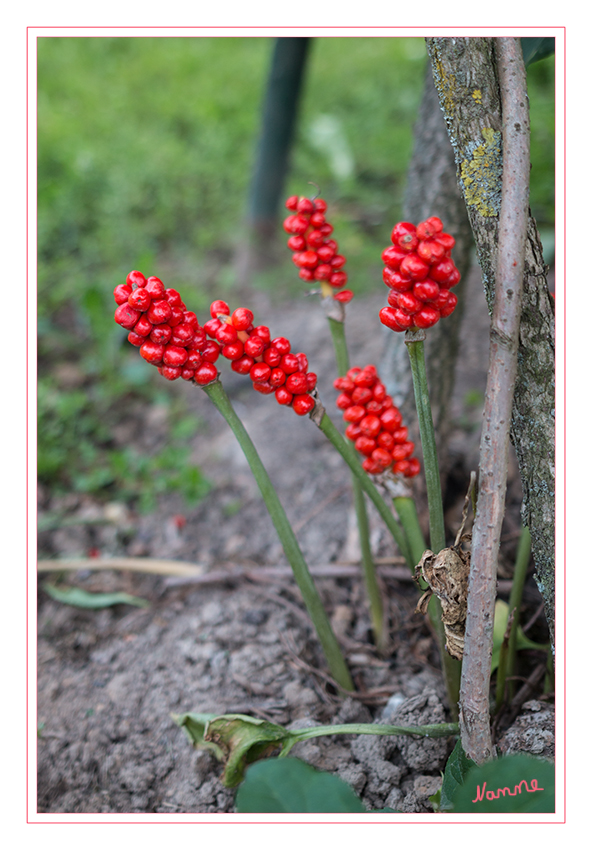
501, 792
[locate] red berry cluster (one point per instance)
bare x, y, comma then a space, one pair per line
375, 425
167, 334
314, 251
270, 363
420, 273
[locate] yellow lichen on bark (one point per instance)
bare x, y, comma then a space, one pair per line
480, 173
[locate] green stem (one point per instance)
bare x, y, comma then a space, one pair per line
407, 513
337, 665
507, 660
370, 579
349, 454
428, 442
431, 730
451, 668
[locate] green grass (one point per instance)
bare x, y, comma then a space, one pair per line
145, 152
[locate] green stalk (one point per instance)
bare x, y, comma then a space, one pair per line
350, 456
430, 730
407, 513
414, 341
428, 441
337, 665
371, 582
507, 660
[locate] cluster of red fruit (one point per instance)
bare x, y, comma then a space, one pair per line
167, 334
420, 273
314, 251
375, 425
170, 337
270, 363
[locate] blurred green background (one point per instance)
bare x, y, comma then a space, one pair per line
146, 148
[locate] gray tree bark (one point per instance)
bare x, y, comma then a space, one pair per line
466, 81
432, 189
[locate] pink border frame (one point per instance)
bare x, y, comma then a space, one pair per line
383, 821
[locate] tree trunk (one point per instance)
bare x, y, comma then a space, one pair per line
466, 81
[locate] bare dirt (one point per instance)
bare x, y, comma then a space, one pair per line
109, 680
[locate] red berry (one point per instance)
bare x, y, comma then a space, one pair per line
311, 381
296, 224
338, 279
262, 331
226, 333
173, 297
296, 243
136, 278
211, 351
442, 270
242, 318
217, 307
174, 355
152, 352
194, 360
429, 228
353, 431
414, 467
159, 312
281, 344
121, 293
205, 374
302, 404
143, 326
126, 316
354, 413
243, 365
426, 317
171, 373
345, 296
161, 334
296, 383
365, 444
391, 419
155, 287
414, 267
448, 308
305, 206
320, 205
323, 272
212, 326
233, 351
254, 346
283, 396
182, 334
260, 372
277, 377
289, 363
136, 339
326, 253
306, 259
263, 387
404, 235
292, 202
315, 239
187, 374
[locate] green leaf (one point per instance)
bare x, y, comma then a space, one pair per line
500, 623
236, 739
515, 783
534, 49
291, 785
194, 726
84, 599
455, 772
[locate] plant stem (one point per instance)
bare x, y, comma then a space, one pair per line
337, 665
407, 513
337, 328
431, 730
415, 348
507, 665
349, 454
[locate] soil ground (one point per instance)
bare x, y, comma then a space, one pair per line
241, 642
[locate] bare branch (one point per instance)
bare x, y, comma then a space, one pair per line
495, 436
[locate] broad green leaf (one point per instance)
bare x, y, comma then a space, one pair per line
243, 740
515, 783
84, 599
534, 49
455, 772
291, 785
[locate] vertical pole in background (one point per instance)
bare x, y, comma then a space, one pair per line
277, 131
